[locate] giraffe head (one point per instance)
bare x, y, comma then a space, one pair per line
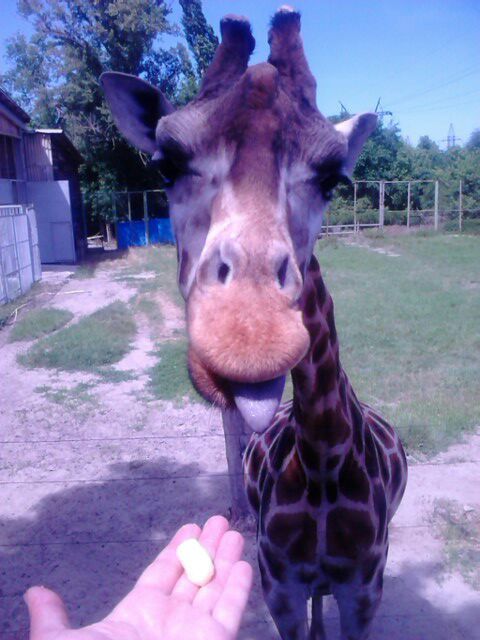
249, 166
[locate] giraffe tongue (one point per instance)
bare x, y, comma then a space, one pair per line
258, 402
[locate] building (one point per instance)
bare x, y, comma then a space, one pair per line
40, 167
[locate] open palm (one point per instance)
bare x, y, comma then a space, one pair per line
164, 604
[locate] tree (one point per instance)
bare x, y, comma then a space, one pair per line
199, 35
474, 140
54, 75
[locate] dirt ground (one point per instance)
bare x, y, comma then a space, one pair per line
90, 490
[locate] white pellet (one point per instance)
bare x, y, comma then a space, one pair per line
196, 562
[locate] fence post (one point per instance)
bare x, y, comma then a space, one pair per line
30, 242
145, 217
355, 228
381, 203
435, 213
460, 205
129, 206
409, 195
237, 435
15, 244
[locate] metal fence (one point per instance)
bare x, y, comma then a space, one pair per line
397, 203
19, 252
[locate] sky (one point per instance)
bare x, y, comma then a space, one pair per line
420, 57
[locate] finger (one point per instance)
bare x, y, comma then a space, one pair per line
164, 572
47, 612
232, 602
212, 532
228, 553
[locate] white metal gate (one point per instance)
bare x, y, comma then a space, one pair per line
19, 251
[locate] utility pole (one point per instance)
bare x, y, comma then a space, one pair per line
460, 205
381, 203
435, 213
452, 140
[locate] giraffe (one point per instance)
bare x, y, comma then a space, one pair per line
324, 480
249, 167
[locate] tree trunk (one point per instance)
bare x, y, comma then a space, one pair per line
237, 435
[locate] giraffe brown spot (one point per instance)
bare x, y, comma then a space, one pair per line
331, 490
283, 527
266, 497
339, 574
350, 533
310, 306
321, 345
331, 322
273, 431
352, 480
329, 427
326, 377
382, 459
283, 445
380, 506
396, 467
370, 567
291, 482
305, 576
308, 454
304, 547
274, 564
321, 291
332, 462
371, 461
314, 493
358, 426
253, 498
255, 462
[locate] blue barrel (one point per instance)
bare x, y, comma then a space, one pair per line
131, 233
160, 231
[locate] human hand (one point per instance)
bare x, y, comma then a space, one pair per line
163, 604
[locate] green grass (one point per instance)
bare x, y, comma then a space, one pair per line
73, 398
408, 329
169, 378
99, 339
38, 323
460, 531
159, 260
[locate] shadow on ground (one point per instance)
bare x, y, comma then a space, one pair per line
89, 542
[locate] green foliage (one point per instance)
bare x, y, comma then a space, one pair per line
199, 34
99, 339
39, 323
54, 76
387, 156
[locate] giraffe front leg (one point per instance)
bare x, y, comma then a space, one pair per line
288, 609
357, 606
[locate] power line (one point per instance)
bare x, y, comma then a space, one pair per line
451, 80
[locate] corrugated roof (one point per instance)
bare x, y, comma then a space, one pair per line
10, 103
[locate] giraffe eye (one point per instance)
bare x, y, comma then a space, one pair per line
328, 184
172, 164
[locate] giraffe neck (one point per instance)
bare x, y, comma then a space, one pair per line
326, 410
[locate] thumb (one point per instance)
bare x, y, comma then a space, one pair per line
47, 612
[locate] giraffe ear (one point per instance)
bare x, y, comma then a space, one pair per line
356, 130
136, 107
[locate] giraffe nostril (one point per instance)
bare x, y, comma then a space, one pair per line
223, 272
282, 273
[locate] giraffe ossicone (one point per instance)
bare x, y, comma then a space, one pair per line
250, 165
